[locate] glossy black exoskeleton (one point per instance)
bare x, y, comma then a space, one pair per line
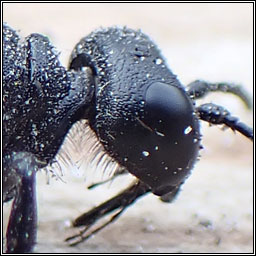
41, 101
144, 118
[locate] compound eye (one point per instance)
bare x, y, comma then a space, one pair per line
169, 115
167, 106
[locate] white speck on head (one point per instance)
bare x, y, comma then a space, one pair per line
166, 167
160, 134
158, 61
187, 130
145, 153
156, 147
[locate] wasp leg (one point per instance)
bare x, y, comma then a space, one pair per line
216, 114
21, 230
118, 203
198, 89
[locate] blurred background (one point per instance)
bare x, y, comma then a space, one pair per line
214, 211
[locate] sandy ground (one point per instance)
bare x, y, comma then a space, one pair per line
214, 211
